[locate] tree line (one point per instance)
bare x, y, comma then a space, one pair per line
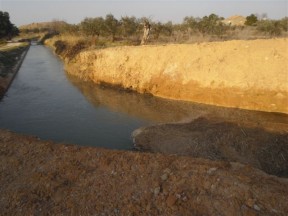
272, 27
130, 27
7, 29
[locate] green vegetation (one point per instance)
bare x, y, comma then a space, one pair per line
7, 29
273, 27
251, 20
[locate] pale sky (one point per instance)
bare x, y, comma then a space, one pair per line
28, 11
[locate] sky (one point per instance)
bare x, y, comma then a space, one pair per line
74, 11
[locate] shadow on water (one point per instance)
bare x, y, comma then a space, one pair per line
160, 110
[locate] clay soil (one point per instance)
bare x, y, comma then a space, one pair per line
45, 178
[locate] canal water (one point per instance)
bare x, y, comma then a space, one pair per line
46, 102
42, 102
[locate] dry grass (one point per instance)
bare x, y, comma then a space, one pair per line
69, 39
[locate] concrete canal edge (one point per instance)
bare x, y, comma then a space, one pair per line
13, 71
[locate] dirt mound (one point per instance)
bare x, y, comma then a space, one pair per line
39, 177
219, 140
244, 74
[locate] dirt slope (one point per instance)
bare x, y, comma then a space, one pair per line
245, 74
44, 178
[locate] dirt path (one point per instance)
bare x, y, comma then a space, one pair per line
40, 177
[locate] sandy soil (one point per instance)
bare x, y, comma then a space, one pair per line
246, 74
41, 177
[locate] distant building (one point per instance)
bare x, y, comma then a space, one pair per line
235, 20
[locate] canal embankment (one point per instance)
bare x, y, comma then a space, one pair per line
243, 74
11, 58
252, 72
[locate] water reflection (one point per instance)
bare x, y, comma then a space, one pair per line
162, 110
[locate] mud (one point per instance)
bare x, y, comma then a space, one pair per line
42, 177
219, 140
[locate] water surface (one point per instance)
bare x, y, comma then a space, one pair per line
42, 102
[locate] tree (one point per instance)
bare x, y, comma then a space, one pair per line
271, 27
157, 29
129, 26
7, 29
71, 29
212, 25
251, 20
190, 23
92, 26
168, 28
284, 23
111, 26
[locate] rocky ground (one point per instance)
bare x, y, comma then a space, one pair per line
46, 178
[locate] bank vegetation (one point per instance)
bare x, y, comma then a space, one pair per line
128, 30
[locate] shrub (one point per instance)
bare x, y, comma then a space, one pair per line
271, 27
284, 24
251, 20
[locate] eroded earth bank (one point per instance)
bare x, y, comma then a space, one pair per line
244, 74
